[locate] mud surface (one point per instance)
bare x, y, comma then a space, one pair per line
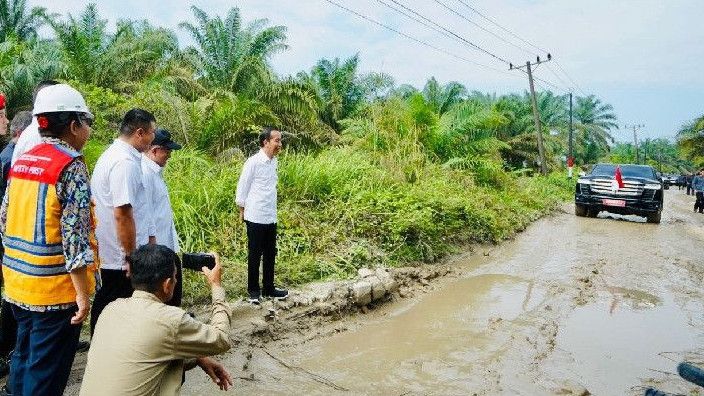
572, 306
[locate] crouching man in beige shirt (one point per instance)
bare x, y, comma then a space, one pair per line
141, 345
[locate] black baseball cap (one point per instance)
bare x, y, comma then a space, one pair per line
162, 138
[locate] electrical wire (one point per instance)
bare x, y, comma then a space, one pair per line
419, 41
484, 29
501, 27
435, 28
466, 41
511, 33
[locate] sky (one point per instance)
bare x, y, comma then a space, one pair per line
644, 57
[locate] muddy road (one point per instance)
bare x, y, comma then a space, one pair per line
572, 306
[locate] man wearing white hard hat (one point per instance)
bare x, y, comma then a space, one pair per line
50, 266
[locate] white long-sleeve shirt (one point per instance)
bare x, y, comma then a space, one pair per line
29, 138
162, 214
256, 189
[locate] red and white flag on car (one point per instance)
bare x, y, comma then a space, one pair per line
617, 183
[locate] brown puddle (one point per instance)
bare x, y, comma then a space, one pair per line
429, 346
616, 344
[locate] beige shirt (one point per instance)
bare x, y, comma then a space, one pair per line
140, 345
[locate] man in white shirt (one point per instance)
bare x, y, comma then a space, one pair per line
153, 162
256, 198
30, 136
121, 207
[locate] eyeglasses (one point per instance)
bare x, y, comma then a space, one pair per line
85, 118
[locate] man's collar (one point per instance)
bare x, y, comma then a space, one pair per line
130, 148
145, 295
156, 168
62, 143
265, 156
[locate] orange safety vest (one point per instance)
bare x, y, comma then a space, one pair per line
34, 267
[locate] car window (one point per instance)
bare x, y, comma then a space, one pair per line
626, 170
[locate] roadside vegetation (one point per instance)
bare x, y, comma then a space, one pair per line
373, 172
690, 140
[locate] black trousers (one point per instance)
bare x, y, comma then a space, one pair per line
8, 323
261, 247
116, 285
8, 330
699, 203
689, 189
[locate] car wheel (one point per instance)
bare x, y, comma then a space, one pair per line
580, 210
654, 218
593, 212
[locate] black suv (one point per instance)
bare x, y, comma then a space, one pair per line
641, 194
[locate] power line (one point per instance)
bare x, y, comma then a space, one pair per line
493, 22
474, 23
444, 33
411, 37
570, 78
430, 45
466, 41
484, 29
501, 27
554, 73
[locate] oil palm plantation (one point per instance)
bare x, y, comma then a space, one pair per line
19, 22
134, 53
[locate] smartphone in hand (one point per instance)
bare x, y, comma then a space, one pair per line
196, 261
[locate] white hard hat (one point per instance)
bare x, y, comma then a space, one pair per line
59, 98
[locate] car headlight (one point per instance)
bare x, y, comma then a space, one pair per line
584, 181
652, 186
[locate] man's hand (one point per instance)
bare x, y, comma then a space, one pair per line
214, 276
241, 213
83, 301
79, 278
216, 371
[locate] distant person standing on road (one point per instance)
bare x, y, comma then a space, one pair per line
688, 180
698, 187
256, 198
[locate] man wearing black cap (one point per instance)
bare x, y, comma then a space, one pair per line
153, 162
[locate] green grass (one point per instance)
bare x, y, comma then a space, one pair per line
346, 208
340, 210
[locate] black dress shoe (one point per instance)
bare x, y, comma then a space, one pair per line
82, 346
277, 294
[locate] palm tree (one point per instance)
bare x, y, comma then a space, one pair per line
22, 66
82, 42
337, 87
230, 56
135, 52
597, 119
16, 22
377, 85
443, 97
690, 140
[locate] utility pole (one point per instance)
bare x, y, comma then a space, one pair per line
635, 138
570, 154
660, 159
536, 115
